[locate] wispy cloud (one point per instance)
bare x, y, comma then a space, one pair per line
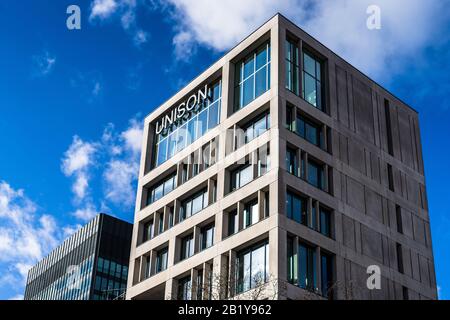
77, 161
43, 64
125, 11
88, 84
114, 158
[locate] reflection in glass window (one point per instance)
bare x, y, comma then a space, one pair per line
157, 192
312, 85
296, 208
207, 237
291, 161
325, 222
161, 260
326, 270
188, 129
194, 204
252, 267
148, 230
251, 213
187, 247
308, 130
257, 127
252, 76
241, 177
185, 288
307, 267
315, 174
233, 222
292, 67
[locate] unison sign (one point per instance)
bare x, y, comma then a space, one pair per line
184, 110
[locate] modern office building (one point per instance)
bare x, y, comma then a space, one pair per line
92, 264
281, 172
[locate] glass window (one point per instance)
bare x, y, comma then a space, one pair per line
326, 270
161, 260
194, 204
251, 213
296, 208
105, 266
252, 76
207, 237
100, 264
241, 177
160, 190
308, 130
315, 174
325, 222
291, 161
186, 131
292, 67
233, 222
292, 262
148, 230
307, 267
256, 128
312, 87
187, 247
252, 267
184, 288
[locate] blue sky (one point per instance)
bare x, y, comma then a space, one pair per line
71, 102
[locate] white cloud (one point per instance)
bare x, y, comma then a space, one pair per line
97, 88
85, 214
407, 26
26, 235
17, 297
117, 155
119, 177
76, 162
43, 64
132, 136
102, 9
126, 10
122, 170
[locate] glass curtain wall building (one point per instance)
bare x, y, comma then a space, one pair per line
92, 264
294, 175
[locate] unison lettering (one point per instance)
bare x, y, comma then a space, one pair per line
186, 107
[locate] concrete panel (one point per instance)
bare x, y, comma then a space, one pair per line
374, 205
356, 157
363, 110
348, 230
407, 223
419, 229
371, 243
355, 194
424, 271
342, 96
405, 138
415, 265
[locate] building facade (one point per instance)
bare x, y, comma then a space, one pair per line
281, 172
92, 264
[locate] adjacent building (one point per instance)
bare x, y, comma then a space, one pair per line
92, 264
281, 172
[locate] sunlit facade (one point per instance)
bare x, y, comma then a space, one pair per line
292, 175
